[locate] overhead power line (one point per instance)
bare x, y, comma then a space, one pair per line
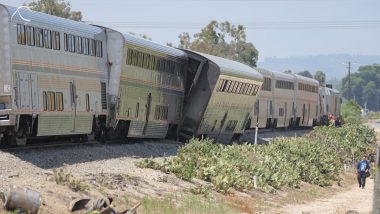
270, 25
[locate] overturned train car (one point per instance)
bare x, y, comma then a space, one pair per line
219, 95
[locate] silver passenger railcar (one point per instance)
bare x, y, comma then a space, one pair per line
306, 101
219, 96
148, 91
330, 102
262, 113
53, 75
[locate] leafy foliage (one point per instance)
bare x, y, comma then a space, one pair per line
321, 77
351, 112
365, 86
222, 39
57, 8
316, 158
305, 74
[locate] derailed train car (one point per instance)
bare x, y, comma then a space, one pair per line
147, 94
219, 95
49, 85
330, 102
61, 77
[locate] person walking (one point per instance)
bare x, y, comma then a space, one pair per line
363, 171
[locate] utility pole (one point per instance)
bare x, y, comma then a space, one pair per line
349, 66
349, 80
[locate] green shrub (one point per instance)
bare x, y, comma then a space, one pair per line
316, 158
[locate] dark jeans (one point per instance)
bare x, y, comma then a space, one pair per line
361, 179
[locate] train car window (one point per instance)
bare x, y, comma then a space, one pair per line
227, 86
21, 34
86, 50
59, 101
78, 45
100, 49
231, 125
47, 38
230, 88
38, 35
73, 45
235, 90
92, 47
87, 102
65, 44
56, 40
267, 85
137, 110
51, 101
30, 35
220, 82
281, 112
45, 103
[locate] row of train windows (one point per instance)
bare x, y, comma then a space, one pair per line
161, 112
152, 62
34, 36
307, 87
44, 38
82, 45
284, 84
267, 84
237, 87
53, 101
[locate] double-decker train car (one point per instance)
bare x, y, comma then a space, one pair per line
330, 102
306, 101
264, 102
52, 75
150, 89
220, 94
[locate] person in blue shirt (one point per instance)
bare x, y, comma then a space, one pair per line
363, 171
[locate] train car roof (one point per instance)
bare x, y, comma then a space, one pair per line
283, 76
146, 44
38, 18
264, 72
231, 67
306, 79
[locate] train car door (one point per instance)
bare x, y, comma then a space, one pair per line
73, 101
308, 115
27, 88
303, 113
147, 112
286, 113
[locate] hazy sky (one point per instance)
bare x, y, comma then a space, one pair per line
278, 28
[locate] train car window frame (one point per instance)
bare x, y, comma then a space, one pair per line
30, 35
86, 49
51, 105
37, 36
78, 45
65, 42
56, 40
59, 101
21, 37
47, 39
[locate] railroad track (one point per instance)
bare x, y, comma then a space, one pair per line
265, 134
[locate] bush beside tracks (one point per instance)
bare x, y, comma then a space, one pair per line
316, 158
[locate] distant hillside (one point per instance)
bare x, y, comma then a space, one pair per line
330, 64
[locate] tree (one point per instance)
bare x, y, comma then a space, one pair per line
365, 86
222, 39
55, 7
305, 74
321, 77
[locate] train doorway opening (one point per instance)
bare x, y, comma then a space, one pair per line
147, 112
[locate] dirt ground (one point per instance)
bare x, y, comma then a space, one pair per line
109, 171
